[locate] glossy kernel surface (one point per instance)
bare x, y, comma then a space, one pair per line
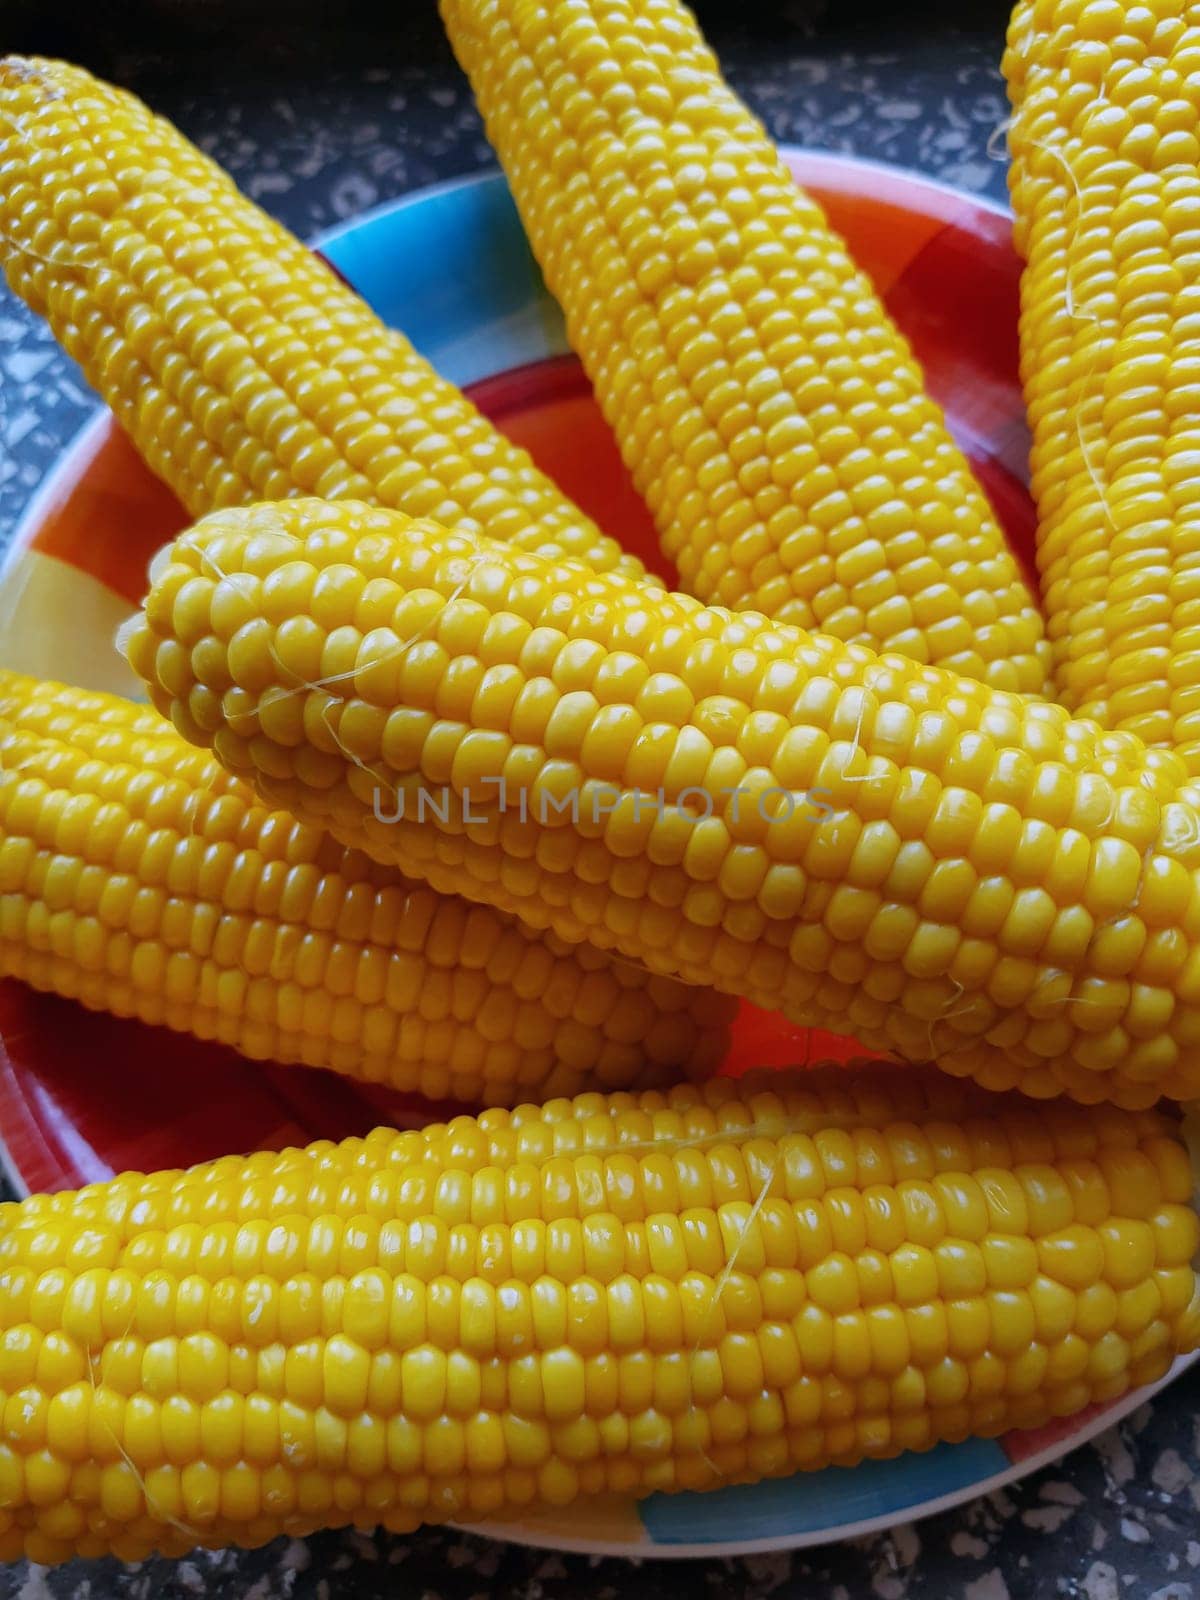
138, 877
770, 413
240, 365
1105, 181
645, 1292
943, 870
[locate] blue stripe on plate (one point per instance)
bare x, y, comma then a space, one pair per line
452, 270
812, 1502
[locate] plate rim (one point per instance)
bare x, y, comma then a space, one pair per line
880, 1523
908, 177
912, 182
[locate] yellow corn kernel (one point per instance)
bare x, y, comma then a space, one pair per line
137, 877
1105, 183
870, 775
773, 417
433, 1388
236, 360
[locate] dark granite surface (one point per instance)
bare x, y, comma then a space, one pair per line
319, 113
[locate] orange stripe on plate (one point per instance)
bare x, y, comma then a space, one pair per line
548, 409
1022, 1443
113, 517
883, 234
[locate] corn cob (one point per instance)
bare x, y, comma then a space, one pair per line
940, 869
771, 415
240, 366
138, 877
623, 1293
1105, 187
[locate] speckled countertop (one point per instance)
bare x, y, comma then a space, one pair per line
318, 114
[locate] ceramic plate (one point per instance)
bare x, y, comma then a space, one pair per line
82, 1096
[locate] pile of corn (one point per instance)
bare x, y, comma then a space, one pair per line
458, 799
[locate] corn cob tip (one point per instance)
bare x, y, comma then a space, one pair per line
265, 375
959, 874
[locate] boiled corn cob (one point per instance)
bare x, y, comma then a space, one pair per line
1105, 184
240, 366
771, 415
623, 1293
138, 877
940, 869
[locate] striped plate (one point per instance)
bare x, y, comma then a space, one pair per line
82, 1096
